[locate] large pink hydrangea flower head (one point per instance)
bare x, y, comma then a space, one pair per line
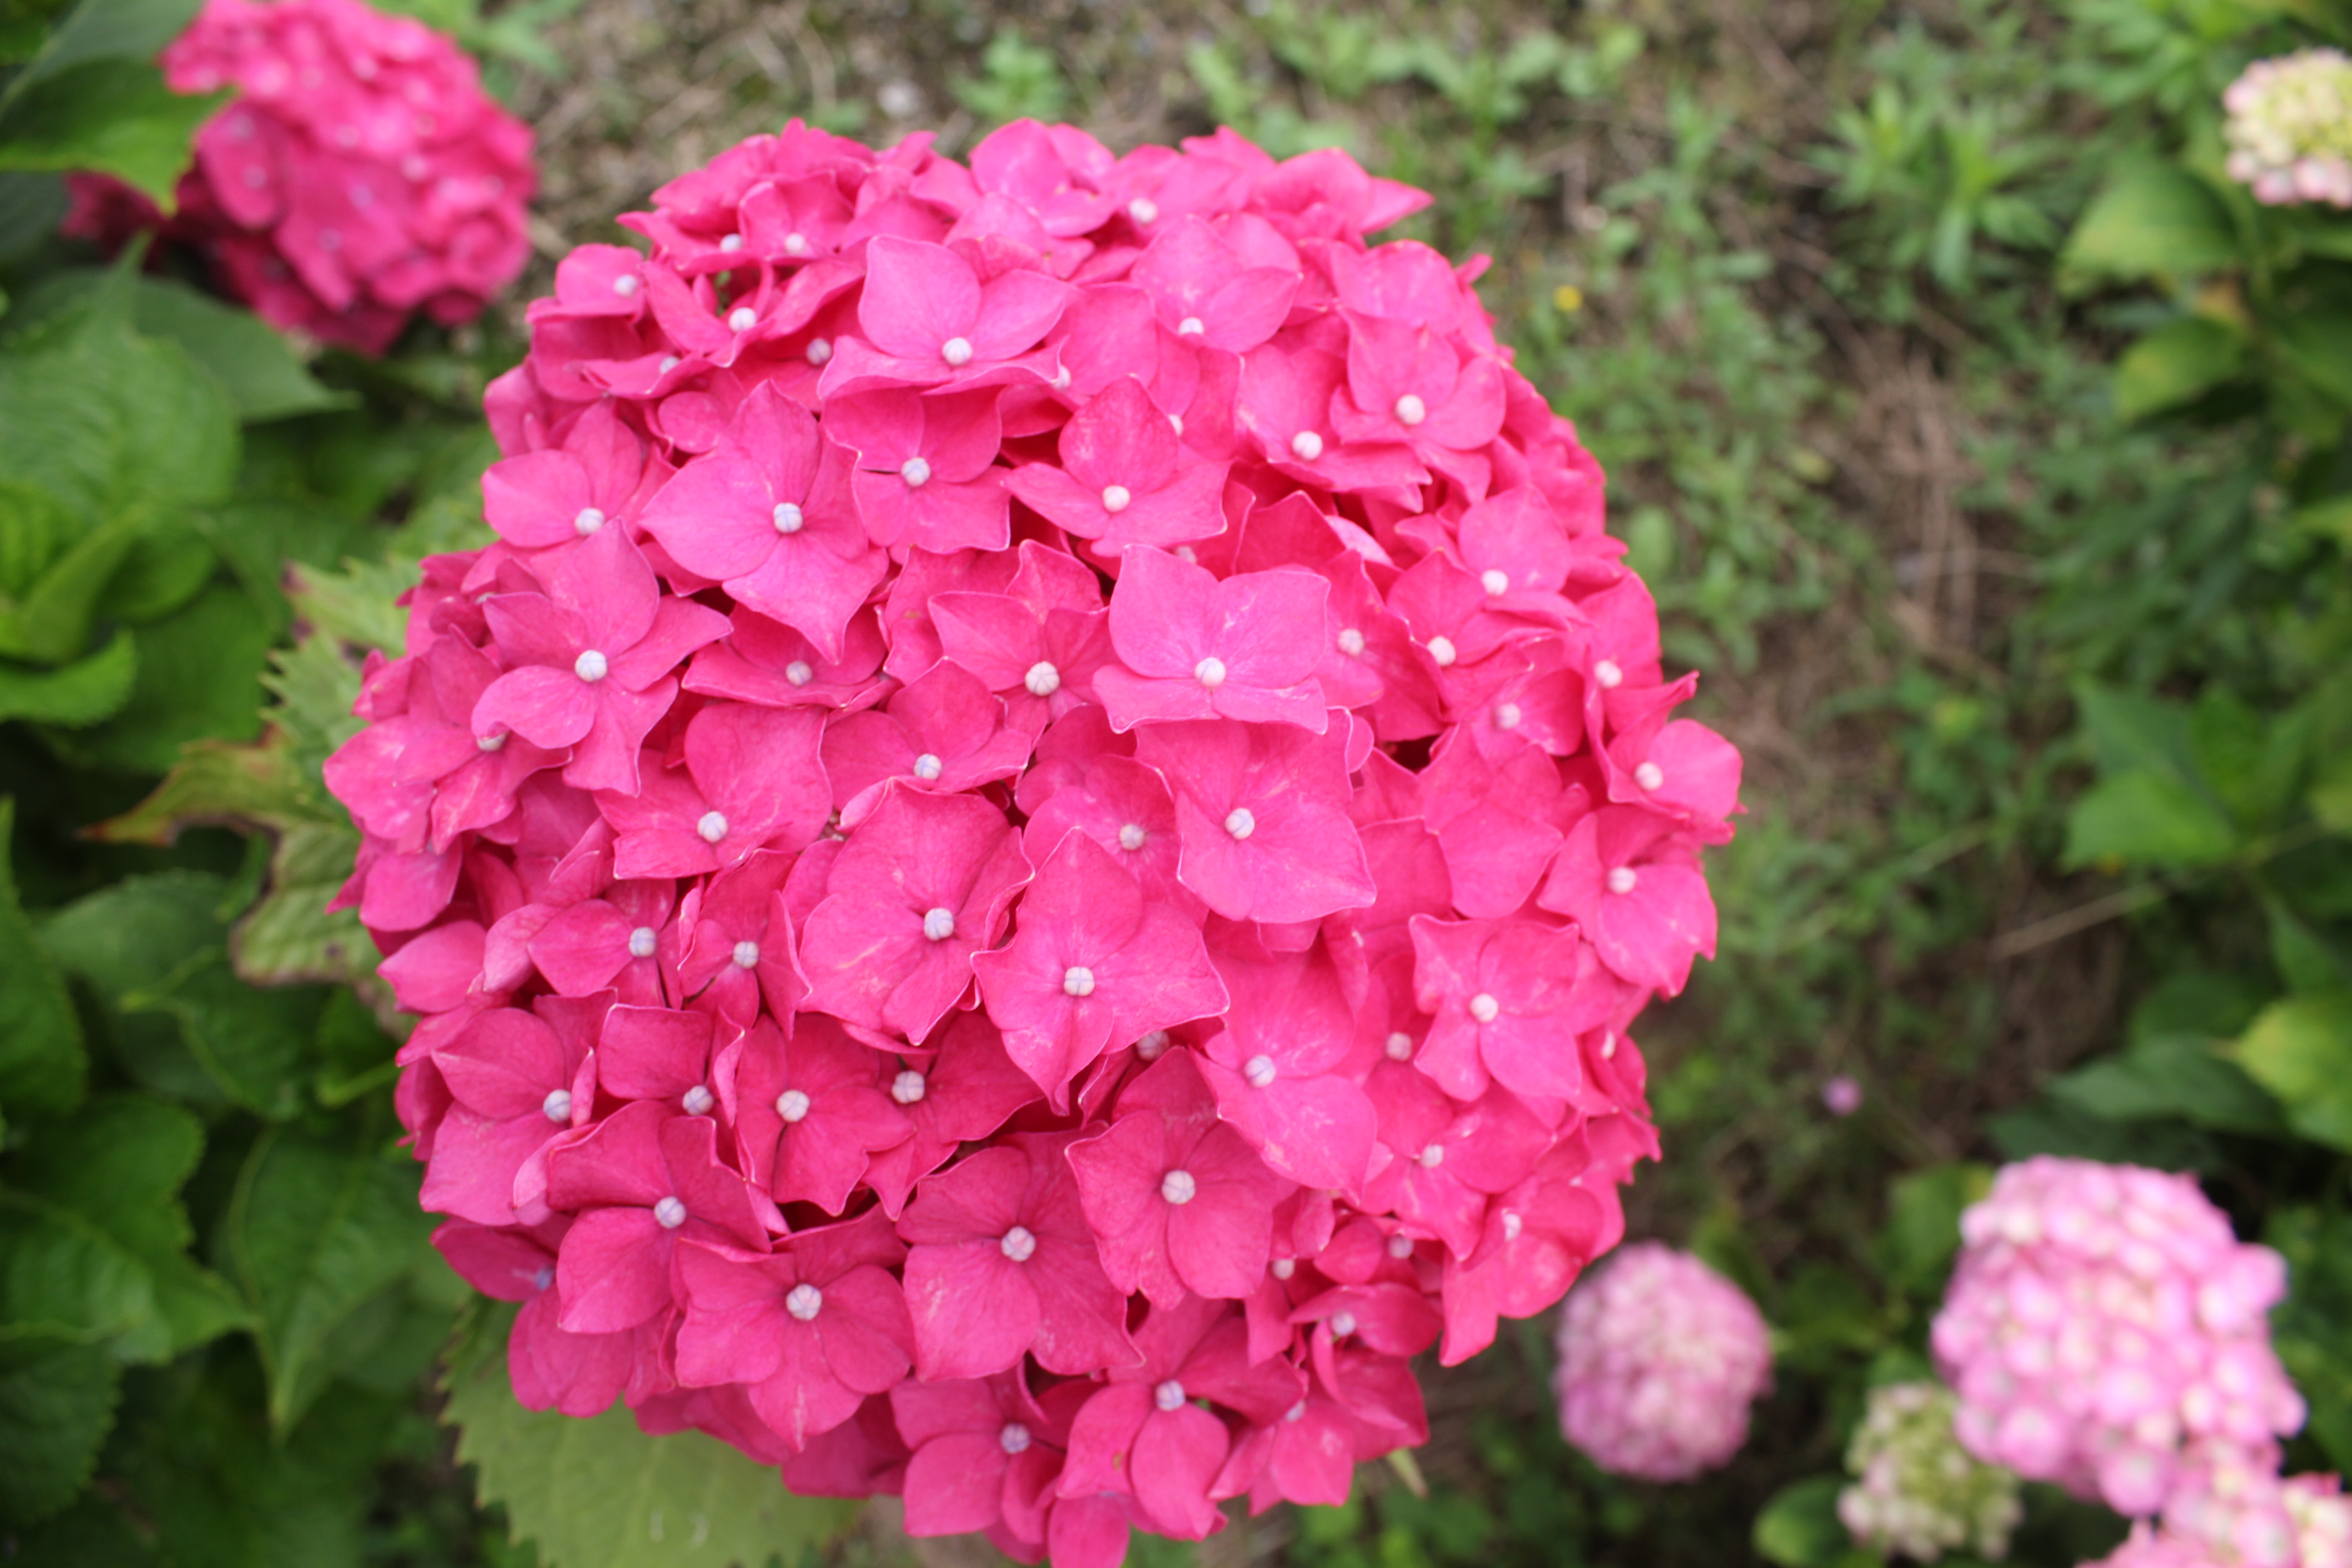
1660, 1360
2104, 1328
2234, 1510
358, 175
1030, 861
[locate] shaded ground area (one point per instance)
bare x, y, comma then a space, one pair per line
1841, 500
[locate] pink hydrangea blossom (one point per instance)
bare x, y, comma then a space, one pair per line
358, 175
2104, 1330
1660, 1358
1027, 862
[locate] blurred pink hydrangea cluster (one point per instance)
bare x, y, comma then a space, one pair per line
1029, 861
1660, 1358
2290, 127
359, 176
2105, 1329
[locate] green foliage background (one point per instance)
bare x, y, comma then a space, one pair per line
2050, 783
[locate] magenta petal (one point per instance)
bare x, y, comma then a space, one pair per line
613, 1270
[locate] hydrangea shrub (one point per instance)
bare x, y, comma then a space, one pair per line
358, 175
1030, 861
1660, 1360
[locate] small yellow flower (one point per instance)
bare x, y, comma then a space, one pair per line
1567, 298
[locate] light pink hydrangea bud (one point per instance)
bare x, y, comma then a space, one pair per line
2101, 1320
359, 176
1660, 1358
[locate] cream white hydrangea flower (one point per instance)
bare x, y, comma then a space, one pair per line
1919, 1493
2290, 127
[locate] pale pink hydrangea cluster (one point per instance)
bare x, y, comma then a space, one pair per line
2290, 127
2105, 1329
1028, 864
1660, 1359
359, 176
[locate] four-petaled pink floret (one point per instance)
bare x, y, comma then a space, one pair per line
1029, 861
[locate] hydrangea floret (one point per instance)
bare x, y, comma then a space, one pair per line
2106, 1331
2238, 1513
2290, 127
1030, 861
1916, 1491
358, 175
1660, 1359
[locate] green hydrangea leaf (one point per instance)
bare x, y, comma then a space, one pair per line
603, 1494
315, 1230
2152, 219
2300, 1050
199, 678
213, 783
41, 1061
76, 695
119, 1165
2177, 364
2143, 818
258, 366
62, 1275
287, 936
115, 116
57, 1405
1798, 1527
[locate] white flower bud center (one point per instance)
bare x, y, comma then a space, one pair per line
788, 518
626, 284
1609, 1046
1411, 410
557, 1106
1179, 1187
1496, 581
908, 1088
497, 742
698, 1100
587, 521
799, 673
1607, 673
1169, 1395
643, 942
1512, 1225
670, 362
1342, 1324
1442, 650
1259, 1071
1283, 1267
1115, 497
957, 352
1307, 446
1297, 1411
1015, 1438
819, 351
1131, 836
1210, 672
1078, 981
1020, 1244
1399, 1248
1623, 880
1431, 1156
1649, 775
1042, 679
1241, 822
1507, 716
1190, 327
591, 667
1400, 1046
742, 319
804, 1301
793, 1104
1483, 1007
796, 244
927, 766
731, 244
1351, 642
745, 955
669, 1213
1143, 209
939, 923
915, 471
1152, 1045
712, 828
